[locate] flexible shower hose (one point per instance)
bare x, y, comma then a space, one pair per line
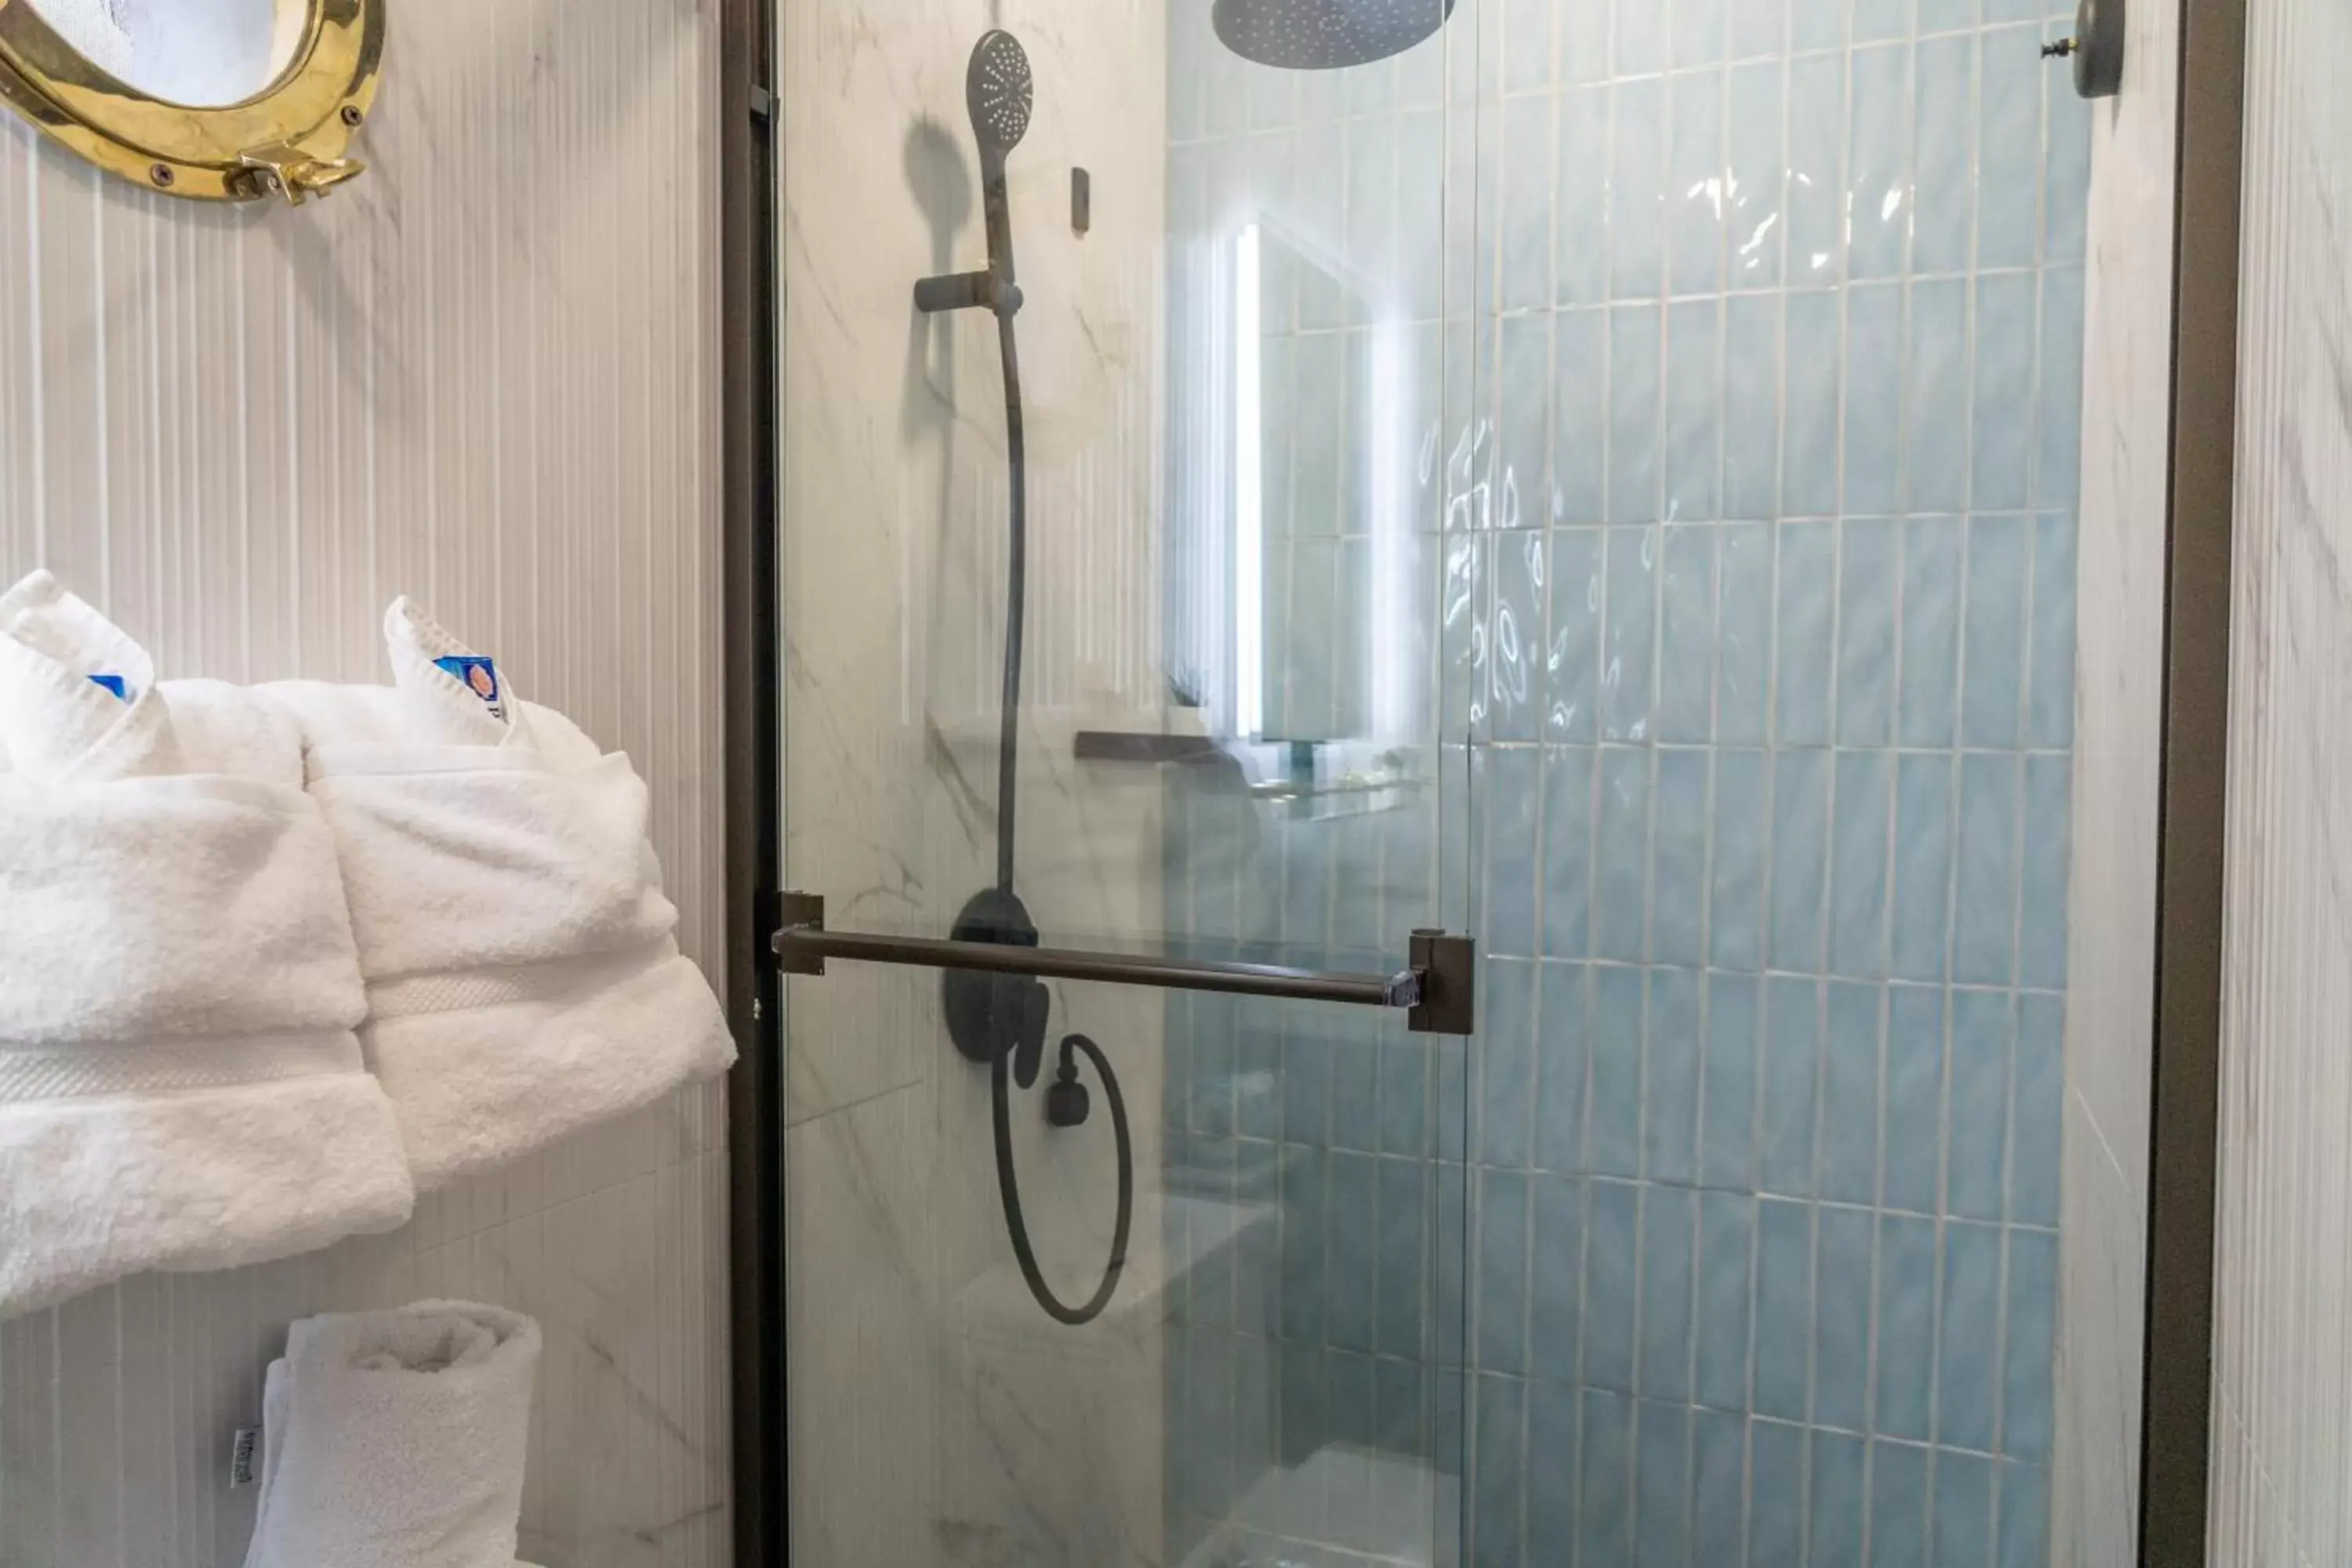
1008, 1183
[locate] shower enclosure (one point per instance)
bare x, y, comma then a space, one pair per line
1594, 479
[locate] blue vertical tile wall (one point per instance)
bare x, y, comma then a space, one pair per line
1732, 1239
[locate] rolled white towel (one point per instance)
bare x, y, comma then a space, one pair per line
524, 981
396, 1439
180, 1083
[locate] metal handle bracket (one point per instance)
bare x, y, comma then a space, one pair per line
1437, 991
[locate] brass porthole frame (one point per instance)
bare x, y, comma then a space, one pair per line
288, 140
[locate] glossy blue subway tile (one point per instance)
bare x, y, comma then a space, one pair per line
1858, 854
1837, 1481
1750, 405
1993, 657
1580, 201
2037, 1110
1584, 43
1866, 659
1501, 1290
1399, 1321
1920, 927
1562, 1065
1669, 1233
1800, 814
1303, 1229
1526, 204
1967, 1377
1943, 129
1936, 397
1636, 368
1505, 1134
2002, 399
1776, 1503
1614, 1136
1500, 1470
1629, 635
2024, 1537
1404, 1062
1757, 185
1555, 1279
2041, 901
1523, 413
1963, 1509
1552, 1444
1786, 1119
1947, 15
1679, 875
1306, 1080
1878, 157
1727, 1131
1719, 1489
1694, 393
1510, 780
1572, 656
1983, 1025
1620, 890
2008, 149
1352, 1256
1697, 33
1259, 1071
1842, 1294
1580, 457
2029, 1346
2066, 179
1726, 1248
1915, 1088
2058, 464
1784, 1308
1984, 918
1905, 1326
1695, 182
1638, 41
2050, 676
1686, 635
1804, 654
1605, 1483
1611, 1249
1898, 1506
1814, 348
1744, 634
1927, 709
1662, 1514
1817, 110
1758, 28
1742, 839
1850, 1071
1876, 21
1670, 1090
1527, 45
1637, 239
1451, 1237
1873, 397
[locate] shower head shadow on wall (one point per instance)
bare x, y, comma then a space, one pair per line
1326, 35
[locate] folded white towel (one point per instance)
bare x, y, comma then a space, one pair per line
523, 978
180, 1083
396, 1440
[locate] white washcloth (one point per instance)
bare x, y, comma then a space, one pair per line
396, 1440
180, 1083
523, 978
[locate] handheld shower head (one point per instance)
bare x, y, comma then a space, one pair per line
1324, 35
998, 90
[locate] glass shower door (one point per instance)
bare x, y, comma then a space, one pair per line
1082, 1271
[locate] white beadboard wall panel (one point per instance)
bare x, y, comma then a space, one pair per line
484, 375
2118, 735
2282, 1474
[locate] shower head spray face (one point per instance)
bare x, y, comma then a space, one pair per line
1324, 35
998, 90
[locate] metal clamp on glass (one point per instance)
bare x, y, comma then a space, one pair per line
1438, 990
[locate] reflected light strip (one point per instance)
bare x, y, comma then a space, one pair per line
1249, 516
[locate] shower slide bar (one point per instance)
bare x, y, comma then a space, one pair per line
1437, 990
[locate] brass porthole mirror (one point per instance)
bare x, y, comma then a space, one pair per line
213, 99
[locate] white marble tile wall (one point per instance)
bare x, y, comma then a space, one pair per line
485, 374
2282, 1476
2118, 702
937, 1414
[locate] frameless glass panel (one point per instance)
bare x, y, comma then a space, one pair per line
1082, 1273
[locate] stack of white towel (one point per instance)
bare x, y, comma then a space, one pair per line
272, 959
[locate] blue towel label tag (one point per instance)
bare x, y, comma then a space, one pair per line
114, 683
478, 676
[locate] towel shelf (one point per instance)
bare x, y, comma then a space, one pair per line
1437, 990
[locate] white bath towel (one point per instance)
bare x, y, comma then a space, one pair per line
523, 978
396, 1440
180, 1083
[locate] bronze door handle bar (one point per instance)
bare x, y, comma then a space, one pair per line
1437, 990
